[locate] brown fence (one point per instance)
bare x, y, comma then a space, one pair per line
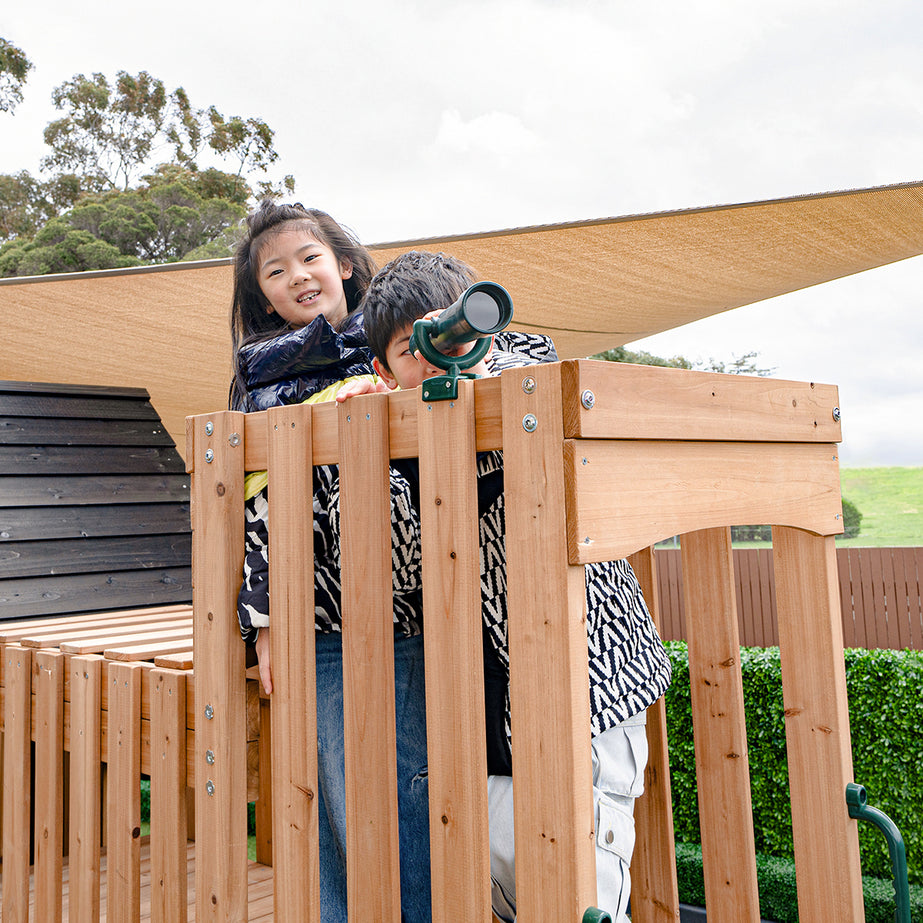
880, 596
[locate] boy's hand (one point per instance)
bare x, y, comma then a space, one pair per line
361, 386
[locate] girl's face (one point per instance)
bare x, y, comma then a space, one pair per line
302, 278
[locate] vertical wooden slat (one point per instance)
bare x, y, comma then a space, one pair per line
372, 860
552, 771
654, 888
86, 779
220, 699
263, 808
862, 590
294, 713
890, 601
459, 839
768, 593
722, 768
817, 726
846, 601
49, 784
17, 781
123, 854
911, 585
168, 796
747, 609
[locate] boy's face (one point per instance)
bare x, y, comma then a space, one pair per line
406, 371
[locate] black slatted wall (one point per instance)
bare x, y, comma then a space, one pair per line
94, 502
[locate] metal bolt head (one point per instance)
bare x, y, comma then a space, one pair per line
209, 712
209, 428
210, 757
210, 787
234, 440
528, 385
836, 414
588, 399
529, 423
209, 456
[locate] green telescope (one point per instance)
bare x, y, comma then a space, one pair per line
483, 309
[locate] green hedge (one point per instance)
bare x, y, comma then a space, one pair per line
778, 894
884, 689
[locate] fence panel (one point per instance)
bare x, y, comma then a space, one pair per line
880, 596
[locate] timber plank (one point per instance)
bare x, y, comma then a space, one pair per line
86, 780
49, 783
62, 405
719, 726
460, 847
38, 490
28, 523
373, 883
293, 715
124, 795
67, 460
43, 431
81, 556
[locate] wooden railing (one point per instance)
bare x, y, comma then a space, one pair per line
601, 461
880, 596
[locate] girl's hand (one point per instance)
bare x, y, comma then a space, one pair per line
262, 655
361, 386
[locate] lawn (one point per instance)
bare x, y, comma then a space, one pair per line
891, 503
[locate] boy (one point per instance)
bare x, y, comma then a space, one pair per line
629, 669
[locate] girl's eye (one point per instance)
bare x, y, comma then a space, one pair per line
310, 257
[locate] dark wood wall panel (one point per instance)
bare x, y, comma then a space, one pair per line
78, 555
29, 523
33, 596
94, 502
88, 459
48, 491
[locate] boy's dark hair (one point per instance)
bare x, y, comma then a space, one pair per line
249, 320
411, 285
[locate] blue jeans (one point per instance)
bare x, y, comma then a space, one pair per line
412, 778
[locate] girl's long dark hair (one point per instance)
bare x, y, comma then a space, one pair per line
250, 321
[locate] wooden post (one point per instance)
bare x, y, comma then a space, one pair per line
123, 856
17, 781
552, 768
291, 637
86, 782
817, 726
372, 861
216, 454
454, 660
168, 796
654, 888
49, 784
722, 768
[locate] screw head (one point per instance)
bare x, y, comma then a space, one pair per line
234, 440
588, 399
209, 712
528, 385
210, 787
836, 414
210, 757
209, 428
209, 456
529, 423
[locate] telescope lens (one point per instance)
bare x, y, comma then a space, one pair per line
483, 310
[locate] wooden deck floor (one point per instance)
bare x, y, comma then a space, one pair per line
259, 879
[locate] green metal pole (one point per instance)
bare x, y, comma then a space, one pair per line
859, 809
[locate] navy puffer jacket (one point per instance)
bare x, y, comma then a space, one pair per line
291, 367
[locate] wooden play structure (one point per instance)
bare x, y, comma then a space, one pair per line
601, 461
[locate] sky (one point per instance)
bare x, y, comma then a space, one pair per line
417, 118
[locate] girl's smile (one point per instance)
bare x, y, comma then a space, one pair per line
302, 278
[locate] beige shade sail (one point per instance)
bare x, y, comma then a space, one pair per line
590, 285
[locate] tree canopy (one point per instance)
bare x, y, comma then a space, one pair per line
14, 69
125, 180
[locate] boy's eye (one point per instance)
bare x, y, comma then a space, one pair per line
310, 257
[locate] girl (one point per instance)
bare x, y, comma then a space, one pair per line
296, 330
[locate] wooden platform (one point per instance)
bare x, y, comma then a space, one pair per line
259, 880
